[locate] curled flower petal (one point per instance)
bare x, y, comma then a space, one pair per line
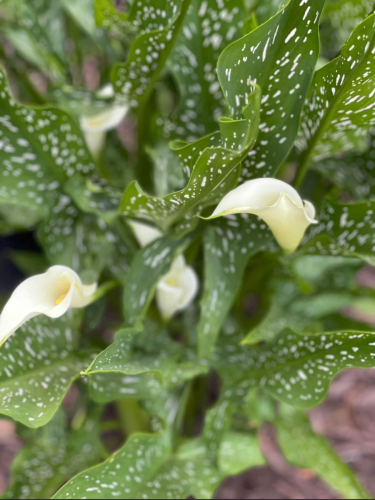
51, 294
95, 141
104, 121
145, 234
277, 203
106, 92
177, 289
95, 127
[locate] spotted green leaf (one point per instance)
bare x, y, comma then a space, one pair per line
40, 150
55, 455
211, 168
229, 245
158, 25
140, 365
346, 230
146, 467
110, 18
38, 365
208, 28
307, 450
280, 56
339, 110
297, 369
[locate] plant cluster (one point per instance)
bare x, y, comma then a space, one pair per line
199, 176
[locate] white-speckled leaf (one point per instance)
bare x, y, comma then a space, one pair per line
146, 468
280, 56
56, 454
340, 106
40, 150
346, 230
307, 450
229, 245
38, 365
158, 25
295, 369
212, 167
209, 27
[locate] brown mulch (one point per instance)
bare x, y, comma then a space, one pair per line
346, 419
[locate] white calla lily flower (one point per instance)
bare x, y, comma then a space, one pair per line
145, 234
51, 294
177, 289
277, 203
95, 127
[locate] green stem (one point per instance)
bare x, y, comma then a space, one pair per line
305, 163
105, 288
133, 418
111, 425
182, 411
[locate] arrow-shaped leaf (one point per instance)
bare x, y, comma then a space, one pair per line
40, 150
346, 230
280, 56
147, 467
229, 245
296, 369
38, 365
159, 25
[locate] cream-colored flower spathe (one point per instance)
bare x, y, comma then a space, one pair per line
51, 294
277, 203
177, 289
144, 233
95, 127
